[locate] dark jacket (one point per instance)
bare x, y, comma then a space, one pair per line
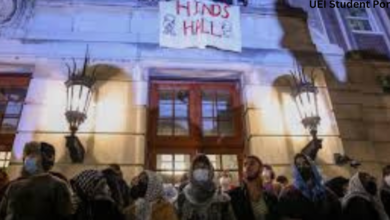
242, 207
99, 209
293, 204
385, 197
360, 209
40, 197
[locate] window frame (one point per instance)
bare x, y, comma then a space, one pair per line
196, 142
12, 81
370, 18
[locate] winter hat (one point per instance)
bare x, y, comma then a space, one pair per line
48, 155
86, 182
32, 147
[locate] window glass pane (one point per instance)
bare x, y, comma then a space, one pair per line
165, 111
166, 157
208, 97
172, 167
13, 108
226, 127
180, 157
224, 98
207, 110
181, 127
165, 97
215, 160
181, 111
164, 162
180, 166
234, 175
208, 103
357, 12
9, 124
359, 25
224, 114
182, 162
209, 128
3, 155
165, 127
229, 162
224, 104
17, 94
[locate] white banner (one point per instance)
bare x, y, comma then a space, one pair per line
194, 23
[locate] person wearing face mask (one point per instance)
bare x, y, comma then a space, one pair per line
148, 191
37, 195
251, 201
385, 190
307, 198
361, 201
94, 193
200, 198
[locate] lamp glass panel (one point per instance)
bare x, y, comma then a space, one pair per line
79, 98
307, 102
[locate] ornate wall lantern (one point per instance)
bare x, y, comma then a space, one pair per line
304, 93
79, 90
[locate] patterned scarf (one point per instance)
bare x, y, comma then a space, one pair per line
385, 187
85, 184
356, 189
317, 191
154, 191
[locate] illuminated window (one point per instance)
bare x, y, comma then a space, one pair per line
186, 118
173, 166
13, 90
5, 158
225, 162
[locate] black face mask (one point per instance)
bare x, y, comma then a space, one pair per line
138, 191
371, 188
305, 173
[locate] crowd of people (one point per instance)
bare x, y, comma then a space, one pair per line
41, 194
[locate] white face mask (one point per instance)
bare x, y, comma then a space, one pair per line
201, 175
387, 180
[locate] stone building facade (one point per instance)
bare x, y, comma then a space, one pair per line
39, 37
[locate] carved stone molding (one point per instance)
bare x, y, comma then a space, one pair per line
7, 10
14, 14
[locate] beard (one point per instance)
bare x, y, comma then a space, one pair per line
253, 177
